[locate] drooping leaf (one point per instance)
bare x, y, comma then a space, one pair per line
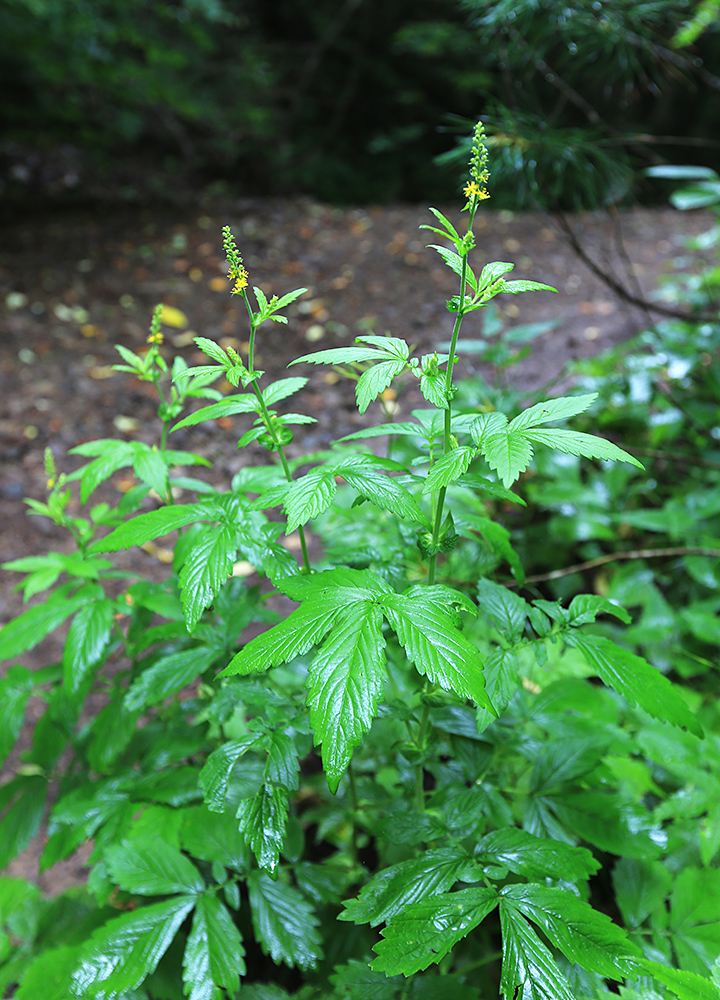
345, 682
427, 930
436, 647
284, 922
448, 468
215, 775
395, 888
214, 953
694, 919
87, 637
262, 822
375, 381
636, 680
527, 963
123, 952
342, 356
152, 868
206, 569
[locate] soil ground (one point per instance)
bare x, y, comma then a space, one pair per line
74, 284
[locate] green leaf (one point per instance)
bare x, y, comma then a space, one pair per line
436, 647
284, 922
450, 230
206, 569
263, 819
521, 285
345, 681
492, 271
684, 985
308, 497
157, 523
246, 403
534, 857
393, 889
383, 491
636, 680
505, 609
507, 453
426, 931
342, 356
31, 627
608, 821
584, 935
448, 468
502, 673
22, 801
584, 608
552, 409
432, 386
585, 445
127, 949
694, 920
152, 868
527, 963
455, 262
214, 837
167, 675
213, 350
214, 954
113, 455
476, 482
15, 689
86, 640
215, 775
375, 380
640, 888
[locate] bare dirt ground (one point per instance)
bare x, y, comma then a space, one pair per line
74, 284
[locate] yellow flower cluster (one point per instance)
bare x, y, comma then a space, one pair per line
155, 338
473, 190
479, 173
240, 276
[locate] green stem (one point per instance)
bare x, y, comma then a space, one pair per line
284, 462
447, 426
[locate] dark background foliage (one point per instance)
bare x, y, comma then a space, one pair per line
350, 101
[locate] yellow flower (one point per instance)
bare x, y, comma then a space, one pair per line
155, 338
240, 276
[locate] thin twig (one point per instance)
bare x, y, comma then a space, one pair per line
617, 556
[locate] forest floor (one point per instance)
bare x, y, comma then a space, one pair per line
74, 284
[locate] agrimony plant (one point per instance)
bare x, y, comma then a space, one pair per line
472, 778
